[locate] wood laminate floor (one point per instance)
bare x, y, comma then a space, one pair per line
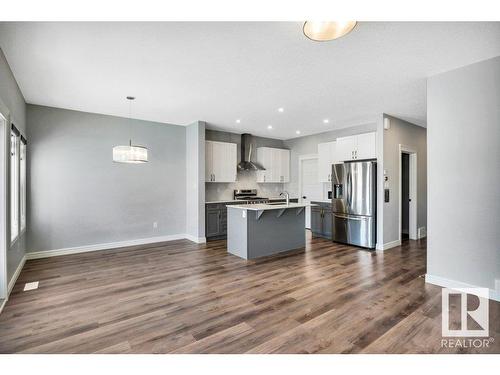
181, 297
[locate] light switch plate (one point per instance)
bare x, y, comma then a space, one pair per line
243, 213
30, 286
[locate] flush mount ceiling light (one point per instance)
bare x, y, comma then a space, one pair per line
326, 121
131, 154
324, 31
269, 127
281, 109
238, 121
297, 131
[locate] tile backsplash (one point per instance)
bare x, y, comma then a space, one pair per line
244, 180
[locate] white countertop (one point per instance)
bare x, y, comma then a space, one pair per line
322, 200
263, 207
243, 200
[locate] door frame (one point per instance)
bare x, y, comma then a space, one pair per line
413, 207
4, 128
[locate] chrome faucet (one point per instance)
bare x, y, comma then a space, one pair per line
287, 197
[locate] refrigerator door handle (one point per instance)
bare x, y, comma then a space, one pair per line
349, 217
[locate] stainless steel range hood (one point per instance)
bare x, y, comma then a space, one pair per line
246, 163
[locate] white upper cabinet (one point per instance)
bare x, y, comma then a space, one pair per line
276, 162
356, 147
326, 157
220, 161
367, 146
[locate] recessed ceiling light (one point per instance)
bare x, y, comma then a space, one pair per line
297, 131
269, 126
326, 121
281, 109
324, 31
238, 121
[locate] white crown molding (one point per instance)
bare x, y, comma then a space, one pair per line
454, 284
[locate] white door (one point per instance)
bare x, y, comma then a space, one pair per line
310, 187
366, 146
344, 149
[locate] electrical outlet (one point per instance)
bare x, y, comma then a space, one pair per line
155, 224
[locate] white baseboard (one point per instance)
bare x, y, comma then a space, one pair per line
15, 276
454, 284
195, 239
2, 304
105, 246
388, 245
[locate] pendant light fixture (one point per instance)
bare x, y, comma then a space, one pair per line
131, 154
325, 31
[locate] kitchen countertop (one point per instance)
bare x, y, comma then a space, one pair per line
243, 200
265, 207
322, 200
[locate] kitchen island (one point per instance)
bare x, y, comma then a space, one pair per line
258, 230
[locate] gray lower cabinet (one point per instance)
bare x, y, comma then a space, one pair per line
213, 222
216, 220
321, 219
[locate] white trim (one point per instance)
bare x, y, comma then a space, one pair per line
388, 245
412, 225
2, 305
16, 274
105, 246
4, 149
195, 239
454, 284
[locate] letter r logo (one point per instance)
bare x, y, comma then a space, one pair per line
479, 314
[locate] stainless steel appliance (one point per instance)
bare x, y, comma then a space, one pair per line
354, 203
249, 195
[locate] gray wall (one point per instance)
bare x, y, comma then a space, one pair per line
309, 145
78, 196
13, 107
245, 179
463, 122
415, 137
195, 180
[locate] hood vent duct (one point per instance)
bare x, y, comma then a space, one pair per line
246, 163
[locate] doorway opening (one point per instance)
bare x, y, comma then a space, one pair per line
405, 196
407, 193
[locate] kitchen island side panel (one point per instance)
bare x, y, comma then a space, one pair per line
237, 232
271, 234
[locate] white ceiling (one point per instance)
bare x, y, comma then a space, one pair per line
220, 72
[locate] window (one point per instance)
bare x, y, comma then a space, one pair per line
22, 182
14, 183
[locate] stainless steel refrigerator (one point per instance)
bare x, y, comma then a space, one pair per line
354, 190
